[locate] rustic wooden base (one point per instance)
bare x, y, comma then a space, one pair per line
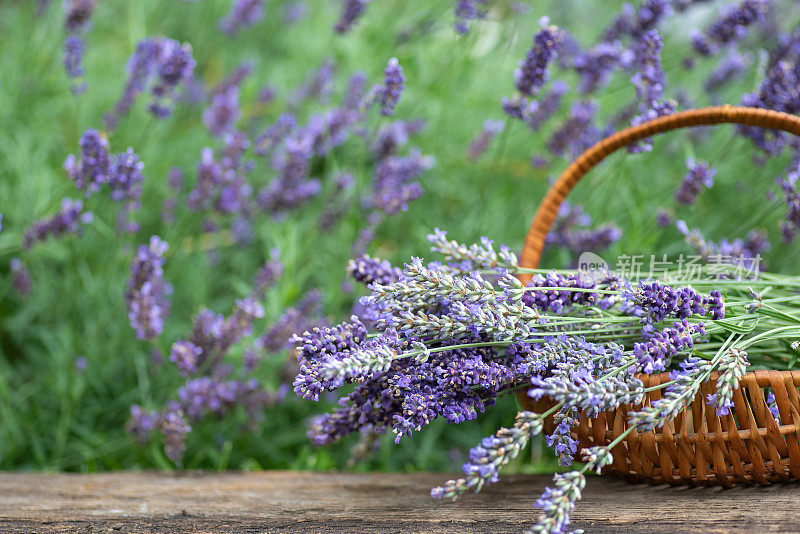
280, 501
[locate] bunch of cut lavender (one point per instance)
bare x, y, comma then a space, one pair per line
452, 335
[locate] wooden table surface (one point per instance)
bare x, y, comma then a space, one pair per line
280, 501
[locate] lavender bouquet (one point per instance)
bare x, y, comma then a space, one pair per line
445, 339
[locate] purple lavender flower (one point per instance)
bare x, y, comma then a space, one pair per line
790, 187
576, 133
730, 26
293, 186
481, 141
393, 136
270, 138
393, 181
742, 253
596, 65
729, 67
664, 218
243, 13
351, 12
557, 504
368, 270
93, 170
649, 81
125, 176
73, 61
78, 14
354, 93
222, 113
267, 274
266, 94
778, 91
20, 277
305, 315
621, 26
175, 179
294, 12
67, 221
319, 84
533, 70
221, 184
773, 407
536, 112
142, 423
185, 356
393, 84
160, 64
570, 230
732, 366
649, 16
486, 460
655, 354
649, 78
466, 11
700, 175
636, 23
174, 428
147, 294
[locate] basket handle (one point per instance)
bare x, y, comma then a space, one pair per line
548, 209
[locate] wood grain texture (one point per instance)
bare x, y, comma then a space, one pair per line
280, 501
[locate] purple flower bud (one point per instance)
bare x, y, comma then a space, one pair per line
78, 14
21, 277
481, 141
533, 70
67, 221
147, 294
700, 175
351, 12
393, 84
160, 64
466, 11
730, 26
243, 13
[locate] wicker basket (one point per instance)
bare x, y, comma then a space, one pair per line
697, 447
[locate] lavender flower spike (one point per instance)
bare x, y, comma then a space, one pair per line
368, 270
351, 12
66, 221
557, 504
243, 13
494, 452
733, 366
481, 142
700, 175
533, 70
393, 84
73, 61
731, 26
147, 293
466, 11
476, 256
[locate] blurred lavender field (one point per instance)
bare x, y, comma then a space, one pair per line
183, 184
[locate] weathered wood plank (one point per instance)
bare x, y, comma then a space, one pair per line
281, 501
